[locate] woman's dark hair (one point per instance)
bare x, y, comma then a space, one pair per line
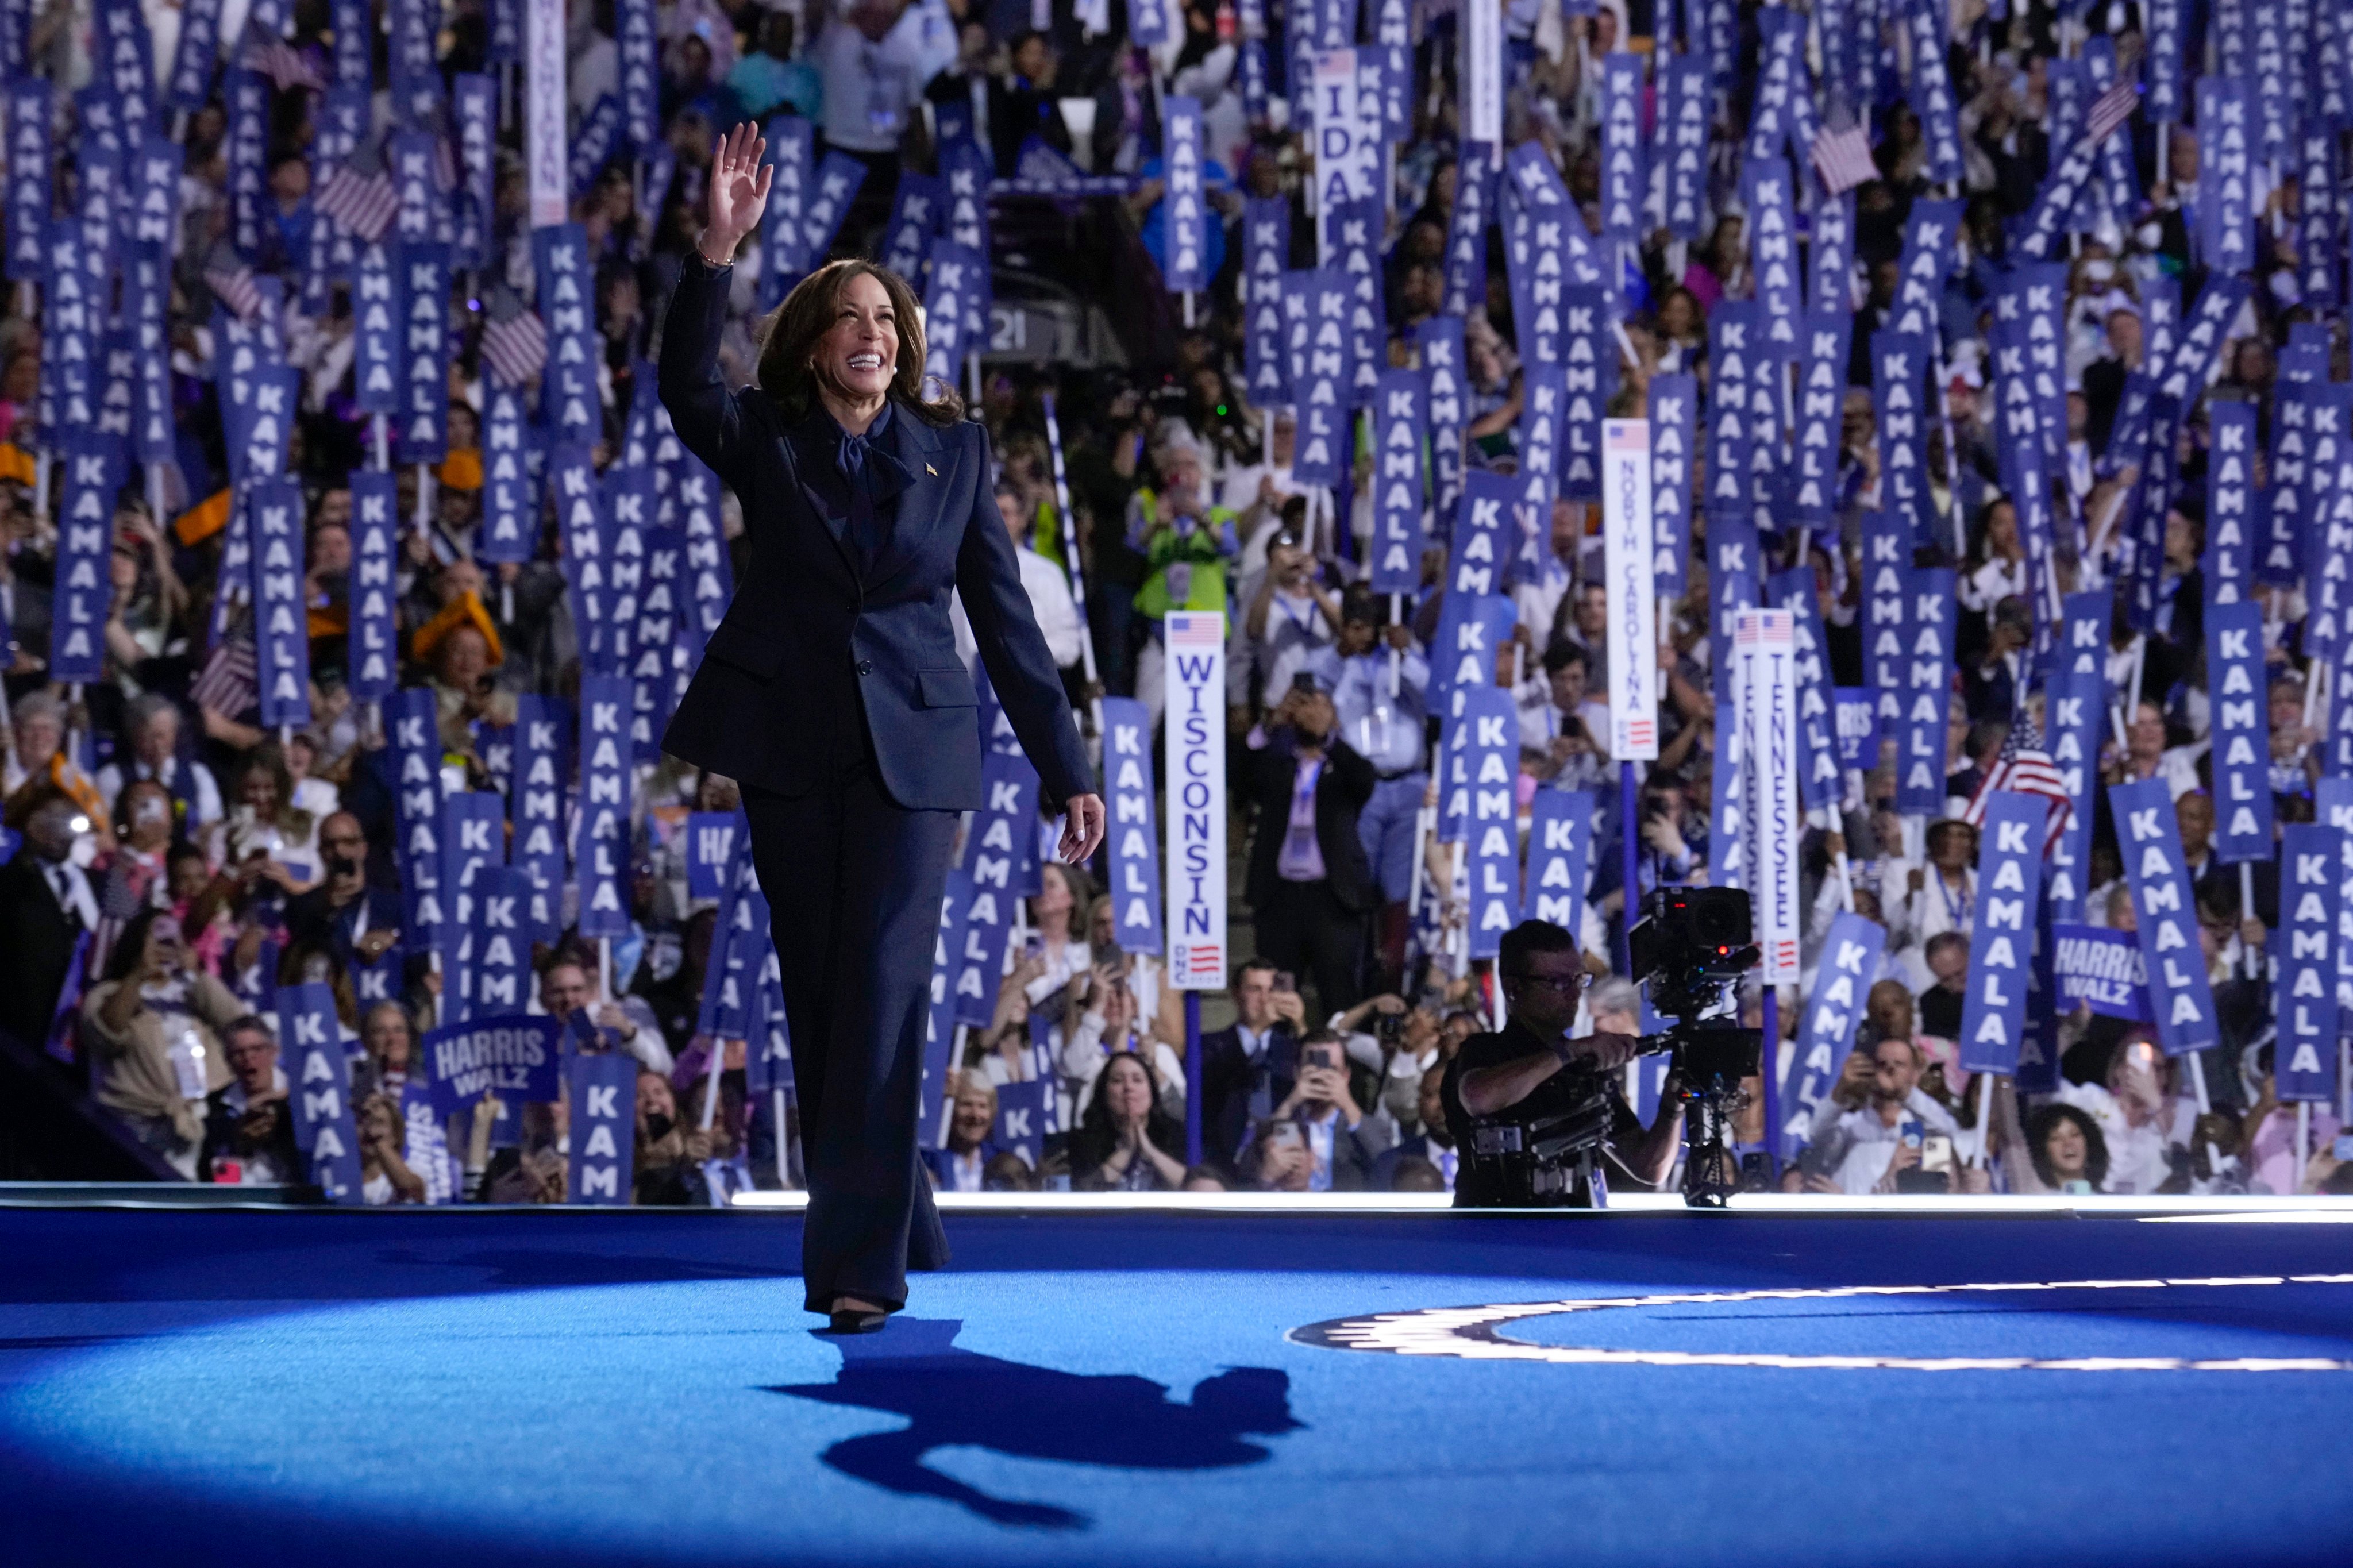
129, 949
788, 339
2038, 1139
1096, 1139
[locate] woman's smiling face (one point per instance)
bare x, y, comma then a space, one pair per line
859, 352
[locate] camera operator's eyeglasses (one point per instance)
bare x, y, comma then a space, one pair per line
1567, 985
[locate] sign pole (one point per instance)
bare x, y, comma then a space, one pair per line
1192, 1078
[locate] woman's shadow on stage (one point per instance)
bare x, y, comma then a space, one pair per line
956, 1397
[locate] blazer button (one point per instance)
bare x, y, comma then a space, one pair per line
865, 667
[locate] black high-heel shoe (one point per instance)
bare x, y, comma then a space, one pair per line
856, 1320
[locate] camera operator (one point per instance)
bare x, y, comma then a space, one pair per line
1542, 977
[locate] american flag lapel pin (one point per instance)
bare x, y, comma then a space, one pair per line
931, 470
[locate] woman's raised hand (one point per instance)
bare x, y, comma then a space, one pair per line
739, 191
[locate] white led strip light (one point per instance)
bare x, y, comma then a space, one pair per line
1471, 1333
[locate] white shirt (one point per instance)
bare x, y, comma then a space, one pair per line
1049, 601
1873, 1140
2136, 1161
872, 88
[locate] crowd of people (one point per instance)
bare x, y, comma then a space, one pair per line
173, 860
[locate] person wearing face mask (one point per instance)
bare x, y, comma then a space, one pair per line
153, 1024
833, 691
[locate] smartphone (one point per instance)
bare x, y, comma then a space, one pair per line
1285, 980
1937, 1153
1913, 1132
1303, 681
1322, 1056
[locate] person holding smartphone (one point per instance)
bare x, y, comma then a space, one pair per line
1867, 1149
1342, 1142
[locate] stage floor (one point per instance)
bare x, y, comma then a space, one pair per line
585, 1387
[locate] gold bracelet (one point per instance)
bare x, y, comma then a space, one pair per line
708, 262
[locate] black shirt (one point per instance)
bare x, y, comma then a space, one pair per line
1473, 1186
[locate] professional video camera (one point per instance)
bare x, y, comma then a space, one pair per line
1692, 948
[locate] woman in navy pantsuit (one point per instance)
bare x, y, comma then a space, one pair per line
833, 691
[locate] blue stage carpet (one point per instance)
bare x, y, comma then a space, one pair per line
254, 1388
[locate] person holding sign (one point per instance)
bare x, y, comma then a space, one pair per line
832, 691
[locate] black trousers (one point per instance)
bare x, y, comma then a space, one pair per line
853, 883
1302, 928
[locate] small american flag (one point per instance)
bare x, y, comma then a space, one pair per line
227, 685
235, 289
2023, 767
281, 63
1200, 961
365, 205
2110, 110
1842, 158
515, 348
1194, 629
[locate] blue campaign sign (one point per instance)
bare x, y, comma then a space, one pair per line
1401, 412
2241, 732
1843, 981
1543, 398
831, 190
1588, 381
501, 959
2102, 968
2002, 943
2150, 843
310, 1048
1322, 449
1490, 759
425, 1145
1623, 173
1819, 782
83, 599
915, 209
32, 170
1266, 251
425, 350
376, 329
473, 835
1685, 116
1187, 206
281, 628
768, 1042
413, 723
373, 657
1735, 583
602, 851
1856, 720
2077, 711
1475, 195
1831, 259
604, 1100
940, 1018
381, 980
535, 808
514, 1056
1131, 836
1928, 685
2229, 560
711, 840
1899, 368
956, 276
739, 942
1021, 1112
1471, 629
1560, 859
569, 403
1673, 409
992, 856
511, 491
1440, 342
1814, 490
2305, 1002
1481, 541
1728, 351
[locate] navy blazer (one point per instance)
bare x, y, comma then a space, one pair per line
813, 645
